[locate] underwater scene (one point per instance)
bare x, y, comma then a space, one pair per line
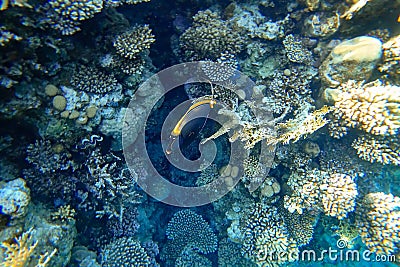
205, 133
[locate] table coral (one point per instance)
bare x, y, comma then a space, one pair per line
391, 58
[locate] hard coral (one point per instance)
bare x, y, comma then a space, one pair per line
125, 251
187, 228
133, 42
385, 150
372, 107
66, 16
378, 220
209, 36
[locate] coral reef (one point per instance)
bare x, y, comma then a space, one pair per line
317, 191
209, 36
125, 251
66, 17
130, 44
188, 229
91, 80
14, 198
19, 252
385, 150
265, 237
378, 218
373, 107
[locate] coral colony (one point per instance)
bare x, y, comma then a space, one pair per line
322, 97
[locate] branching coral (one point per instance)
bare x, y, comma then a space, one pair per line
92, 80
18, 253
300, 227
373, 107
295, 51
130, 44
338, 195
267, 239
378, 220
188, 229
66, 16
125, 251
385, 150
318, 191
391, 58
117, 3
45, 157
209, 36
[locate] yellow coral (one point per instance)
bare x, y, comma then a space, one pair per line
372, 107
21, 3
296, 128
378, 149
17, 254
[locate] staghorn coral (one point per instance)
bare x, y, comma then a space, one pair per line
209, 36
18, 253
338, 195
318, 191
125, 251
384, 150
266, 239
131, 43
378, 221
66, 16
92, 80
188, 229
373, 107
